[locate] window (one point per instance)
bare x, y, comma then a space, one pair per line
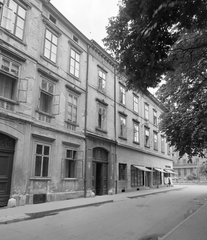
136, 104
136, 132
52, 19
74, 63
101, 81
101, 117
162, 144
46, 96
122, 127
155, 140
122, 95
13, 18
8, 81
122, 172
72, 111
168, 148
42, 156
147, 139
185, 171
146, 111
50, 48
154, 117
73, 164
137, 177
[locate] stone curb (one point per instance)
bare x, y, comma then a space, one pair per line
176, 227
29, 216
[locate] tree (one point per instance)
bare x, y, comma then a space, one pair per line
167, 40
203, 169
143, 33
184, 95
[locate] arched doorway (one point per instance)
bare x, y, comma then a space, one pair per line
100, 171
7, 145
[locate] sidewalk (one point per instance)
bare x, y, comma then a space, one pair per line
21, 213
192, 228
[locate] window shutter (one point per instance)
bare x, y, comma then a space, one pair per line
7, 18
22, 91
56, 104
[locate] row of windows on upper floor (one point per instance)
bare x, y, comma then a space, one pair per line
13, 19
10, 72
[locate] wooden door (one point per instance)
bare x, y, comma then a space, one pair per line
105, 178
99, 179
94, 177
6, 162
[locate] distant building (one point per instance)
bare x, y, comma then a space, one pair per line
184, 168
68, 126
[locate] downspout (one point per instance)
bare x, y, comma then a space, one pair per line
85, 127
116, 167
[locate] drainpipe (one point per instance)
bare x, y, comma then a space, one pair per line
85, 128
115, 133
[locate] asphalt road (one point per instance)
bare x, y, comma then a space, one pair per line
130, 219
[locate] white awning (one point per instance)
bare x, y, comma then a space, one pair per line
160, 170
142, 168
169, 171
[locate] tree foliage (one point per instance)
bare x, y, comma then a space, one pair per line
143, 33
203, 169
184, 95
167, 39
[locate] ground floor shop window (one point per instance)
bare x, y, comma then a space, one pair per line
157, 178
137, 177
122, 171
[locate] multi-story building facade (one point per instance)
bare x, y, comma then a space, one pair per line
68, 127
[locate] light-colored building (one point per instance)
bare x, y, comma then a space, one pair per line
68, 127
185, 168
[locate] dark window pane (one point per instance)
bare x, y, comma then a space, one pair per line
46, 150
39, 149
38, 166
45, 167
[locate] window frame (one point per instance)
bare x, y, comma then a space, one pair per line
155, 140
44, 93
137, 177
122, 131
136, 104
51, 44
162, 144
73, 106
102, 118
42, 155
74, 174
146, 111
146, 137
155, 119
122, 94
76, 63
101, 81
122, 171
136, 132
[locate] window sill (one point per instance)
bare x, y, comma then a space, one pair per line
13, 36
40, 178
49, 61
72, 123
123, 105
123, 138
74, 77
155, 149
9, 100
70, 179
137, 143
44, 113
147, 146
101, 130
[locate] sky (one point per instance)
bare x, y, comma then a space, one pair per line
89, 16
